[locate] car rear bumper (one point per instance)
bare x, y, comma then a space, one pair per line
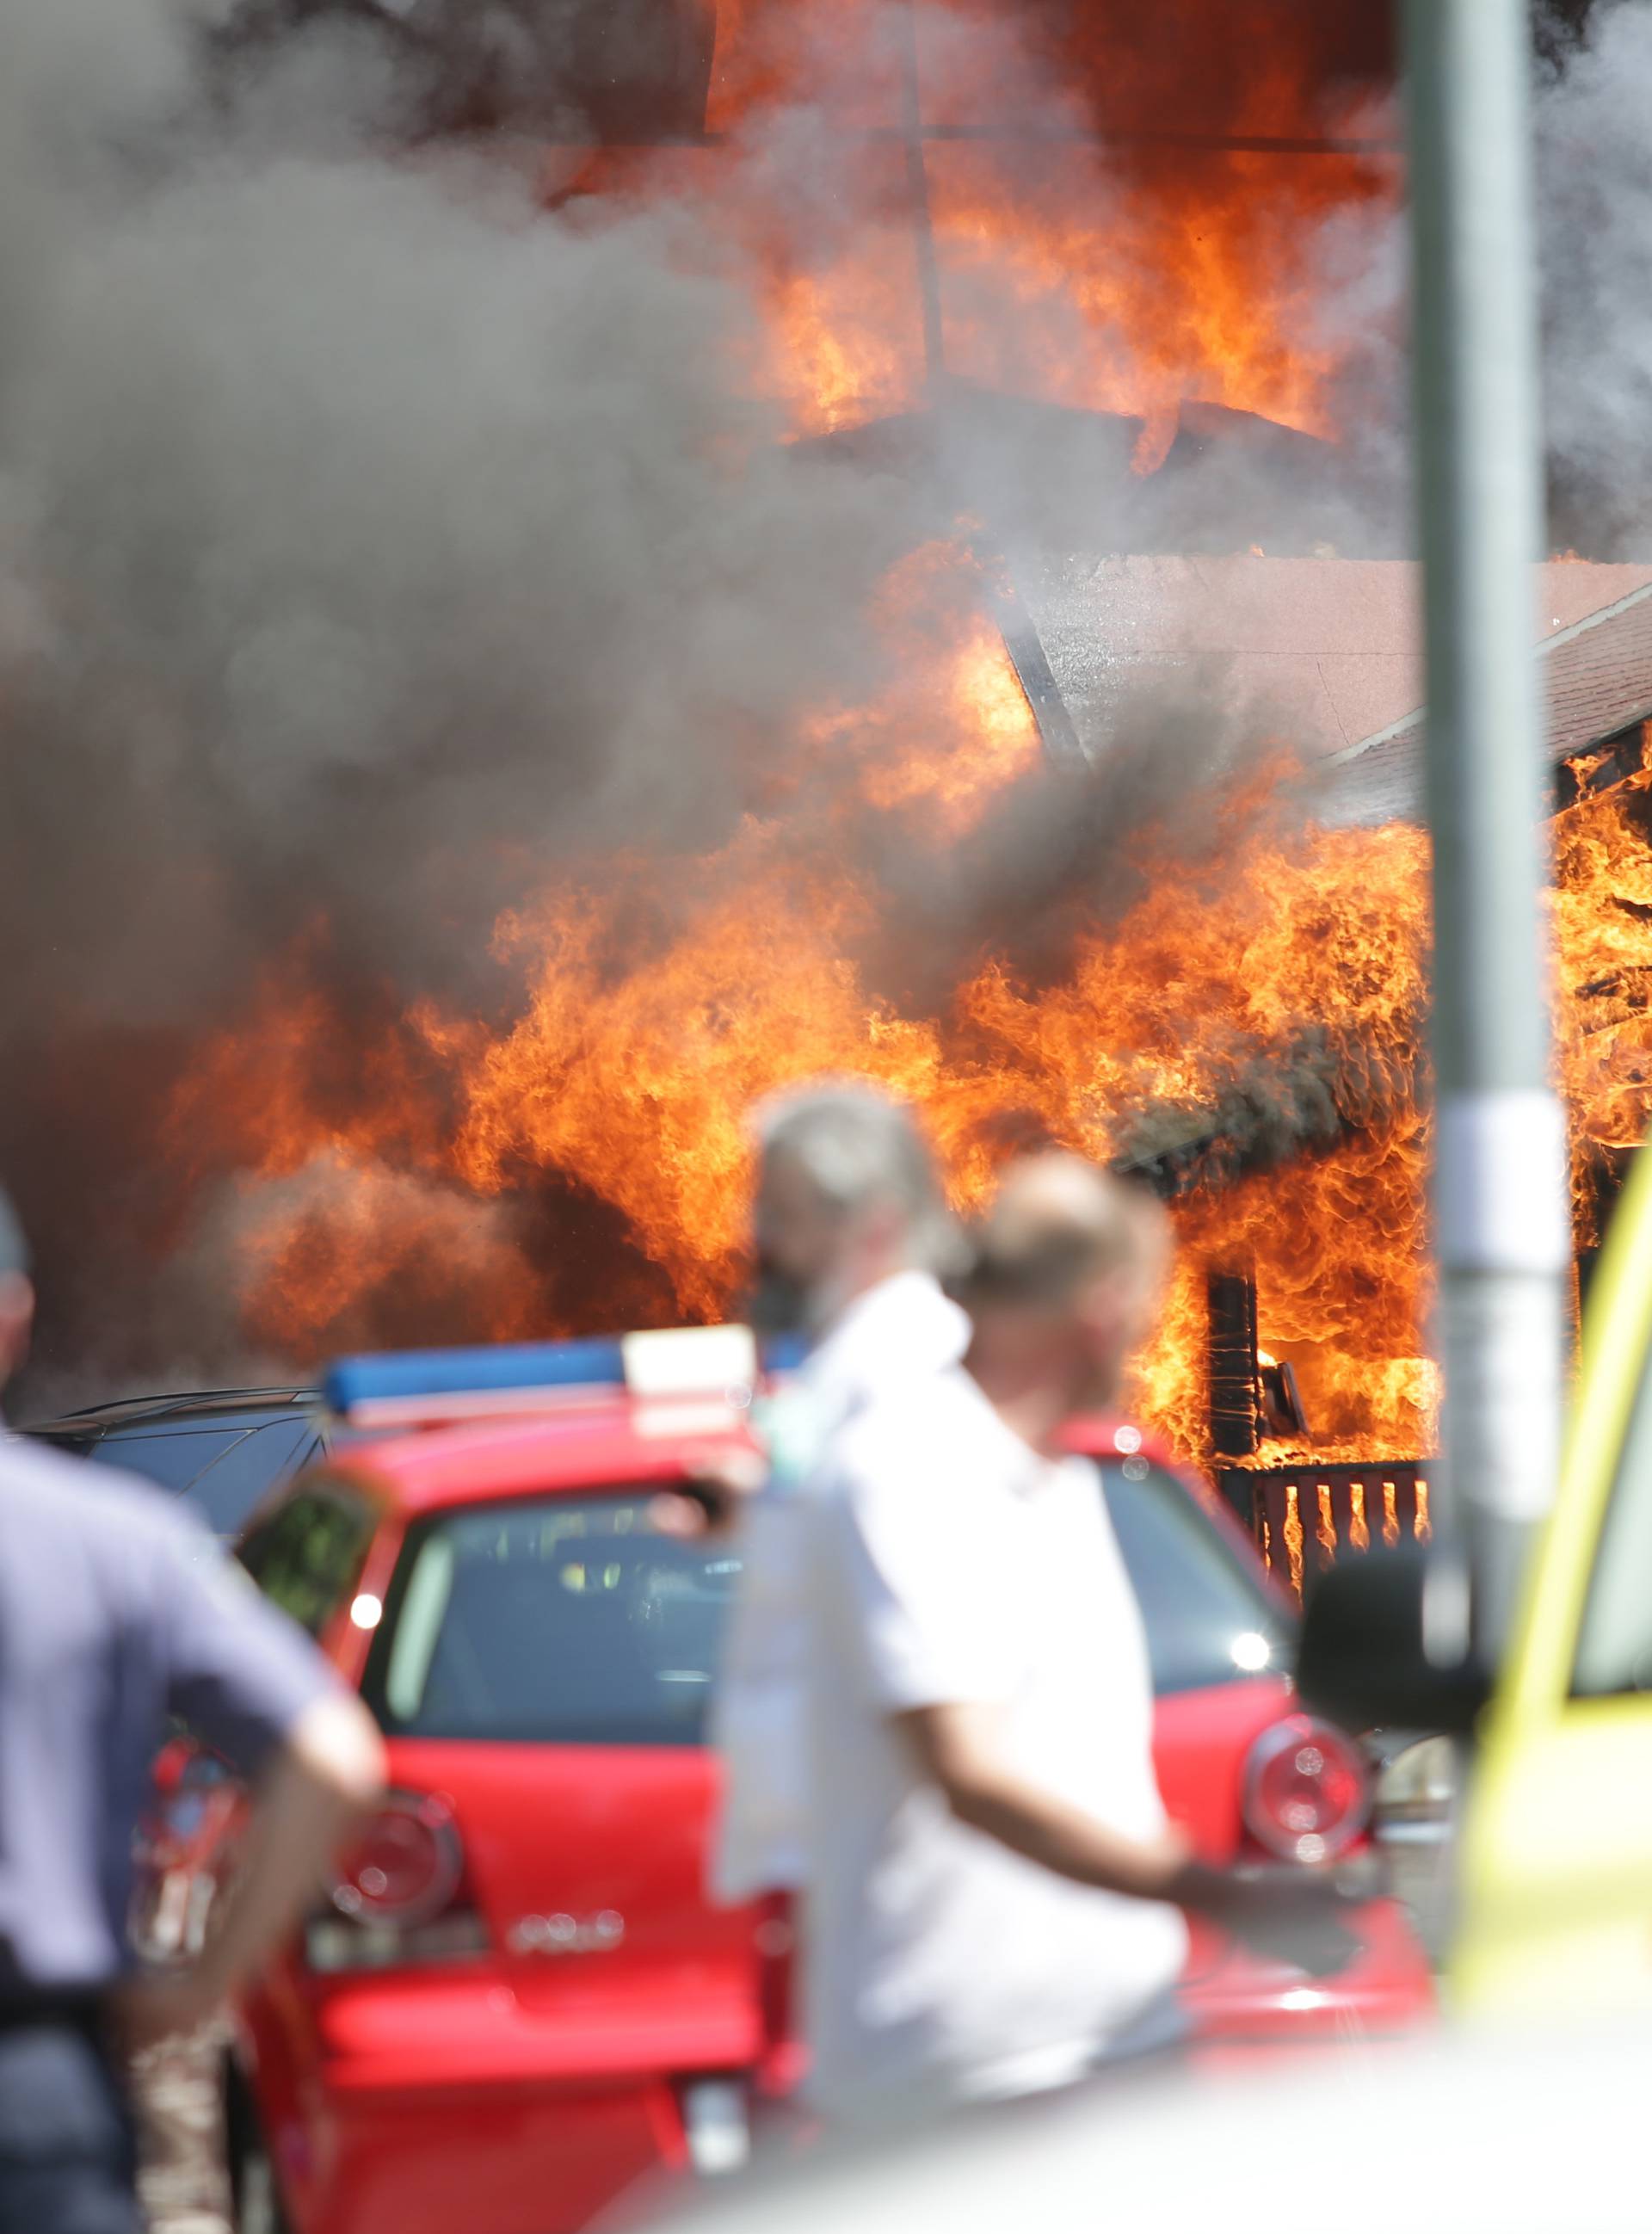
1389, 1988
396, 2107
499, 2160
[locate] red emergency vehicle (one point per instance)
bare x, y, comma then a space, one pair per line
518, 2001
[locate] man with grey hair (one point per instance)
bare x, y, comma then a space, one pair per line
850, 1230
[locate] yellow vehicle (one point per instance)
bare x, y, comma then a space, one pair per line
1554, 1857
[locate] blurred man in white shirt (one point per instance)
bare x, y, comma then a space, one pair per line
994, 1885
850, 1229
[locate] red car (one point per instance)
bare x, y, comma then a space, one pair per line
518, 2000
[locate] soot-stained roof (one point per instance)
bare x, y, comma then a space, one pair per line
1596, 681
1323, 654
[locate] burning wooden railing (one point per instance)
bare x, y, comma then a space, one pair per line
1305, 1516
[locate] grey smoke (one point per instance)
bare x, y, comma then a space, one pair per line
372, 543
374, 547
1592, 84
1597, 269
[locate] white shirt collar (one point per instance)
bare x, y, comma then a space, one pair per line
902, 1295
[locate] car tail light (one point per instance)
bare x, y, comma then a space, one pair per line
406, 1867
1307, 1790
399, 1898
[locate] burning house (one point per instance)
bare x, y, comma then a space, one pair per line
1328, 653
790, 535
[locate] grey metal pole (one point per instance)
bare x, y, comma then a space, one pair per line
1500, 1189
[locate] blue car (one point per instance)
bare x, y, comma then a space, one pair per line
222, 1450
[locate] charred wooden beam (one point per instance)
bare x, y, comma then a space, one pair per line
1060, 739
1602, 768
1235, 1374
1202, 1157
1299, 1096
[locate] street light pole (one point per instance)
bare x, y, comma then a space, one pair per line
1500, 1188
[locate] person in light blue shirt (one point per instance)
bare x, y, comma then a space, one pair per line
119, 1614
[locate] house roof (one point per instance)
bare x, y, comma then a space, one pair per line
1596, 681
1324, 653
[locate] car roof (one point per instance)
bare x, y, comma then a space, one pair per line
179, 1406
595, 1441
590, 1445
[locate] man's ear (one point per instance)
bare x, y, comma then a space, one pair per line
1108, 1311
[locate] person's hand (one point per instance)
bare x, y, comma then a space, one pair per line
161, 2005
1290, 1915
710, 1500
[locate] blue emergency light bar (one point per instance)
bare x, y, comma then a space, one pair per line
411, 1373
408, 1385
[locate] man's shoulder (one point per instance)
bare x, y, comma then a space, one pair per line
908, 1434
78, 1498
904, 1327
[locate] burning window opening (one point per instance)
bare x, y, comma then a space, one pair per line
1026, 234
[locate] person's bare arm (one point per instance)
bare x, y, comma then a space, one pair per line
957, 1749
319, 1785
1288, 1913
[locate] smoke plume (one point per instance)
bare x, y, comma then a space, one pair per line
393, 531
373, 543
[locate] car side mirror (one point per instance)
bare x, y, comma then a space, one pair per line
1385, 1643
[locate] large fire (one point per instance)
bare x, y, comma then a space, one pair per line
945, 192
1266, 985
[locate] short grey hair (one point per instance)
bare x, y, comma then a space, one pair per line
859, 1146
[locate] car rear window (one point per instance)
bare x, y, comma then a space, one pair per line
1210, 1615
569, 1622
559, 1621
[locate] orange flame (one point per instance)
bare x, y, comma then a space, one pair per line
631, 1076
863, 155
1326, 1531
1359, 1533
1293, 1535
1284, 971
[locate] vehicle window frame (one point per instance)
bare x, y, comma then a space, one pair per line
1276, 1619
1609, 1570
77, 1444
347, 1498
